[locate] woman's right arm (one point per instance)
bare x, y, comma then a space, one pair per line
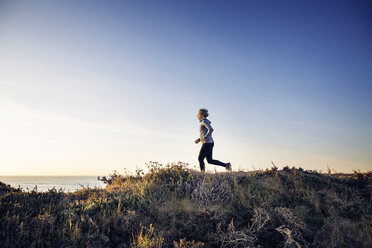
209, 129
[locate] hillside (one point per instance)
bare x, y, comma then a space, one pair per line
172, 206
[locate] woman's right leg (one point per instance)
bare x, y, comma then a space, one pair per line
210, 160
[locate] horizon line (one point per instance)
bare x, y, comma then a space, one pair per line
48, 175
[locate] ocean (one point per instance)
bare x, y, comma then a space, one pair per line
44, 183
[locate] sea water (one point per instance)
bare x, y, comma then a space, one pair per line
44, 183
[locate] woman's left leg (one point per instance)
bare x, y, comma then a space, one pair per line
210, 160
204, 150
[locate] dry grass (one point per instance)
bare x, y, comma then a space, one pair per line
173, 206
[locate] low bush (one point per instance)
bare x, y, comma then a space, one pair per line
173, 206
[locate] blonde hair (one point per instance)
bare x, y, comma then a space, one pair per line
204, 112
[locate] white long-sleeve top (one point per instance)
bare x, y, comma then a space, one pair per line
205, 131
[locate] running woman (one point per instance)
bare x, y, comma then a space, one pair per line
207, 141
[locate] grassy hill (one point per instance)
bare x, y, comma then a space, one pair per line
172, 206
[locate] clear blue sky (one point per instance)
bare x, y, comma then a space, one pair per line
88, 87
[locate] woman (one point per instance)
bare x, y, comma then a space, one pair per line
207, 141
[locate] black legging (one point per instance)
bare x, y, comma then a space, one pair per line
206, 151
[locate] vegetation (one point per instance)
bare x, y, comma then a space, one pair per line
173, 206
